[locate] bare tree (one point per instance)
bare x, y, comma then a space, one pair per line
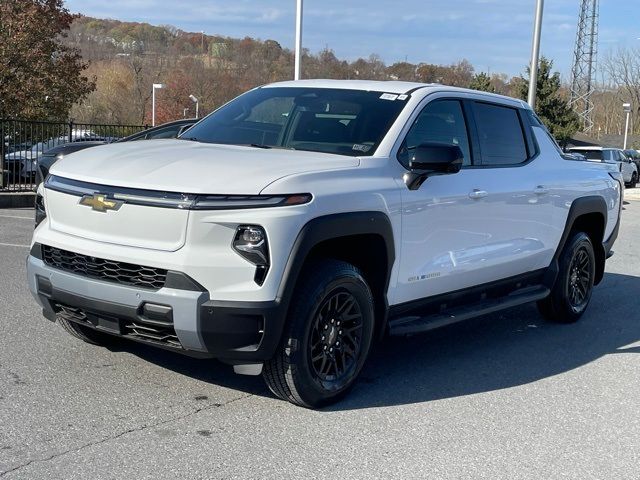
623, 69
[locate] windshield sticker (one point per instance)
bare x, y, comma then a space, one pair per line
388, 96
403, 97
358, 147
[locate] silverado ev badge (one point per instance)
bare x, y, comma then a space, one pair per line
100, 203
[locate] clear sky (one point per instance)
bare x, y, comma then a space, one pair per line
493, 35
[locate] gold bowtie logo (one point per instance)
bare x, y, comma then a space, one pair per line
100, 203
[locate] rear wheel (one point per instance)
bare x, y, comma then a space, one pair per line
634, 181
84, 333
571, 293
327, 336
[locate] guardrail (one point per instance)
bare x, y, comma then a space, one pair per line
23, 142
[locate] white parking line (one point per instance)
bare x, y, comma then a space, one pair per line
15, 216
13, 245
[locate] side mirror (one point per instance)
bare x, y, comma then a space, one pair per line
431, 159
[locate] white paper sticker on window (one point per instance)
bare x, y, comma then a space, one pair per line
388, 96
361, 148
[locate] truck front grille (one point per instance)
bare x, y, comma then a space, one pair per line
71, 313
102, 269
160, 333
153, 333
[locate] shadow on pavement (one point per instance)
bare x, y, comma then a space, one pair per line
494, 352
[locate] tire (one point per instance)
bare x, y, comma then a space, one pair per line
317, 361
634, 180
571, 293
86, 334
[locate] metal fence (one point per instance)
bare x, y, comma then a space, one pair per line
23, 142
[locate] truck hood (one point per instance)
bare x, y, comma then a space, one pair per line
192, 167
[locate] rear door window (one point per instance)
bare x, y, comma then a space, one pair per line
609, 156
500, 133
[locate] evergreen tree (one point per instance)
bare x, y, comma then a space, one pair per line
552, 108
482, 82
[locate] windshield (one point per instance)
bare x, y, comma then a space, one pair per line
345, 122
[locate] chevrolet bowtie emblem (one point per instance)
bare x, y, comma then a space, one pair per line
100, 203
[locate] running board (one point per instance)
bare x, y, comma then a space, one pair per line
417, 324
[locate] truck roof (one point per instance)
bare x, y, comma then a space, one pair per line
388, 86
593, 148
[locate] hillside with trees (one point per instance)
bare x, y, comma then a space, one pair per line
126, 58
110, 65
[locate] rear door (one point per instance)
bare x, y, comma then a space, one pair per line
519, 204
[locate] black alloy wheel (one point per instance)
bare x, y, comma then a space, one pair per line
571, 292
327, 336
336, 339
579, 279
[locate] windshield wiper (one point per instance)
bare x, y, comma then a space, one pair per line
254, 145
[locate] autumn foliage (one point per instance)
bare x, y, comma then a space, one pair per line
54, 64
40, 76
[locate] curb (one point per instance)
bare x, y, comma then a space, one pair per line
17, 200
632, 194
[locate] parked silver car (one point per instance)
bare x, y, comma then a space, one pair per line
635, 156
626, 165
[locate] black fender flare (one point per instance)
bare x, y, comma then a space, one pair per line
330, 227
580, 206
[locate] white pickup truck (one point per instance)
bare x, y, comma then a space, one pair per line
291, 228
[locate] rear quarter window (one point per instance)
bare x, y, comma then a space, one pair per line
590, 154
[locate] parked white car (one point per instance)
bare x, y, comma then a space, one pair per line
616, 156
324, 214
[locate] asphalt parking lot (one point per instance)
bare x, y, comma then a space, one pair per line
504, 396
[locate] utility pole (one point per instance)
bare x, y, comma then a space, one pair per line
156, 86
195, 100
627, 109
535, 54
298, 53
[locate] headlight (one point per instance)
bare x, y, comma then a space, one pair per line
250, 242
230, 202
41, 212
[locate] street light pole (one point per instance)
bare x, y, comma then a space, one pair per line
298, 54
627, 109
195, 100
535, 54
156, 86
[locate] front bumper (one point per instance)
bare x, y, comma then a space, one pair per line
235, 332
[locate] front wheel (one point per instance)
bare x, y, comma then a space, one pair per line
327, 336
571, 293
634, 181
